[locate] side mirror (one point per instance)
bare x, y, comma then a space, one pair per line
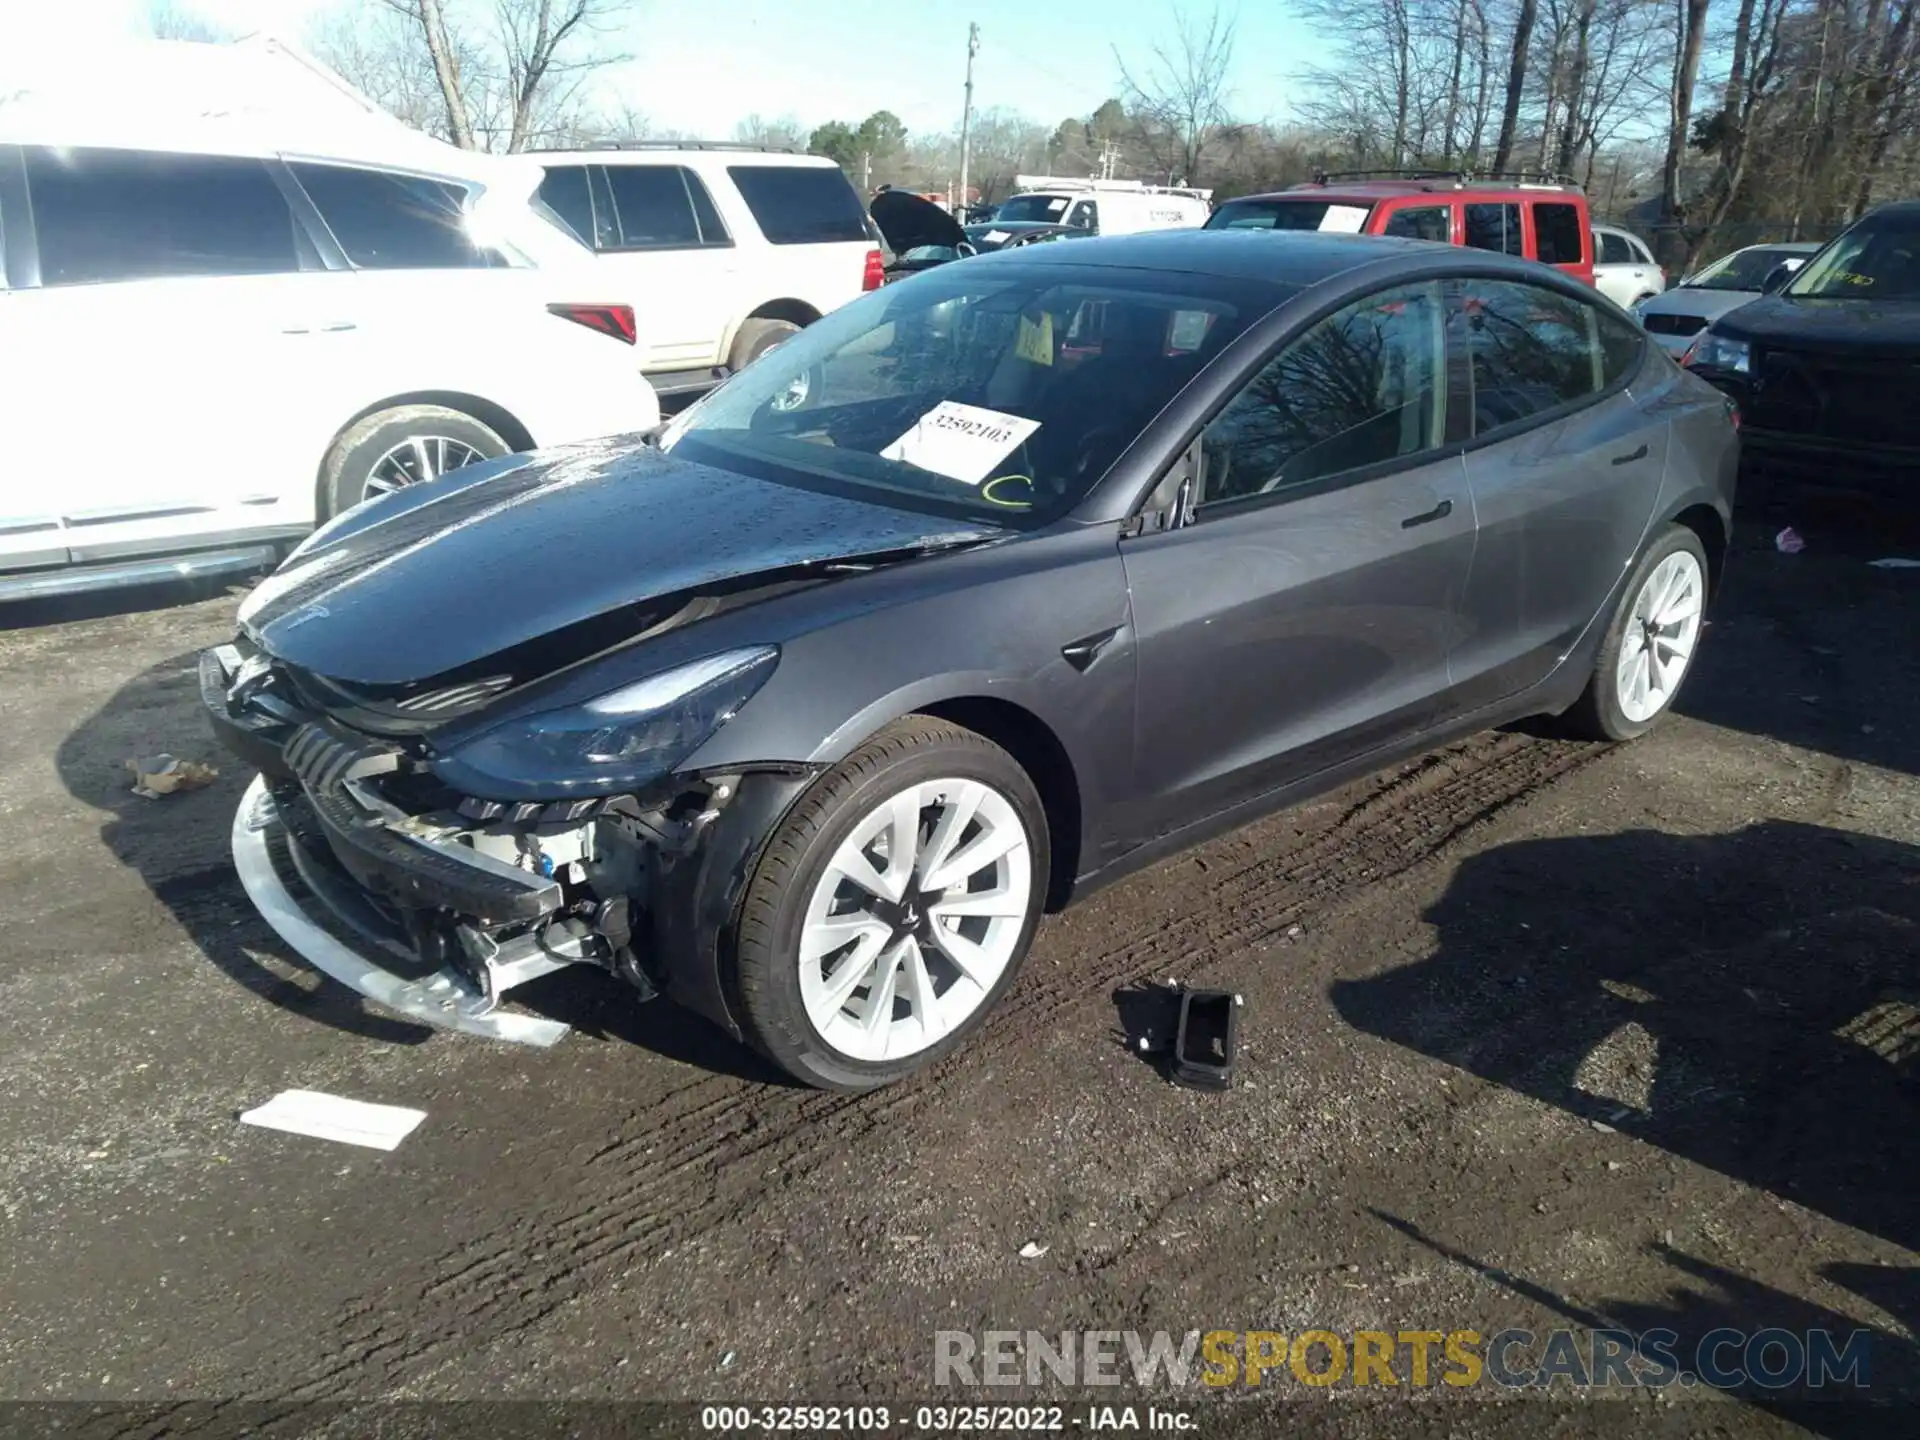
1776, 279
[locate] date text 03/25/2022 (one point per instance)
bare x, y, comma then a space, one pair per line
944, 1419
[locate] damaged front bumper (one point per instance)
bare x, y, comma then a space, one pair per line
434, 914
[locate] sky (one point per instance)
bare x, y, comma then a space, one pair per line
700, 67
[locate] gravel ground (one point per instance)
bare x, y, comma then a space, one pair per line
1536, 1034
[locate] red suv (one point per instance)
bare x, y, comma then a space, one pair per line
1544, 221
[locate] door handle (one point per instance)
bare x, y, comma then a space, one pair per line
1438, 512
332, 327
1631, 456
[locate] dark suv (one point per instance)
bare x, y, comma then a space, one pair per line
1826, 367
1544, 221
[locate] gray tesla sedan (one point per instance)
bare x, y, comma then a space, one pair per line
980, 592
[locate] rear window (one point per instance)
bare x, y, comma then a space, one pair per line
1289, 215
104, 215
801, 204
385, 220
1556, 229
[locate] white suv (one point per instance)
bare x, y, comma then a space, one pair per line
203, 351
1624, 270
722, 250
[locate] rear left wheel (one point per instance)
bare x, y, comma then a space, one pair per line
893, 908
756, 338
1651, 642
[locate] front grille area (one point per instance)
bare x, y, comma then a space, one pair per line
1675, 324
324, 757
1857, 399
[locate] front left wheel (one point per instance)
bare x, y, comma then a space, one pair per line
893, 907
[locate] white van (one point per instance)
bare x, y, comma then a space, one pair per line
1105, 207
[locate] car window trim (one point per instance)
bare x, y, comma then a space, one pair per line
1360, 474
1460, 364
326, 250
19, 249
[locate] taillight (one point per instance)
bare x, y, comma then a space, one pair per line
876, 275
614, 320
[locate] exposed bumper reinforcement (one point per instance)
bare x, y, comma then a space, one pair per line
443, 1000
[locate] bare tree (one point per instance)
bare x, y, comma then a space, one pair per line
787, 132
430, 21
503, 85
1692, 17
1516, 83
1180, 97
167, 21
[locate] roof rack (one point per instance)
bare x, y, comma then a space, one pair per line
1459, 179
740, 145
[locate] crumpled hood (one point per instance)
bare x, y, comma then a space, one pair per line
1785, 322
440, 576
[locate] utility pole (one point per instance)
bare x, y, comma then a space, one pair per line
966, 111
866, 174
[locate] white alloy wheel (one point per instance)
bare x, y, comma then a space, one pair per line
915, 919
1658, 640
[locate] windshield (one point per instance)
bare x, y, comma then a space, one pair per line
997, 391
1049, 209
1876, 260
1289, 215
1742, 270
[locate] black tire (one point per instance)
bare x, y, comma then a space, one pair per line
767, 939
756, 337
349, 464
1597, 715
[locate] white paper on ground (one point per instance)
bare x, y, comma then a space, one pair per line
961, 442
328, 1117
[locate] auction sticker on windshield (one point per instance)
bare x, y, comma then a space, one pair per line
961, 442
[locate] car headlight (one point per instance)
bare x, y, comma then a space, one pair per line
623, 740
1717, 352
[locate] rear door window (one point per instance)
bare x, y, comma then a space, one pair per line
566, 194
1496, 228
104, 215
801, 204
663, 207
1556, 230
1422, 222
1530, 350
387, 220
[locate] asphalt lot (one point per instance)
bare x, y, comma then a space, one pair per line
1536, 1034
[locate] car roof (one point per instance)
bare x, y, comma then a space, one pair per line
1798, 247
677, 153
1371, 191
1283, 257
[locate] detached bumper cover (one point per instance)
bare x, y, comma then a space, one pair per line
442, 999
